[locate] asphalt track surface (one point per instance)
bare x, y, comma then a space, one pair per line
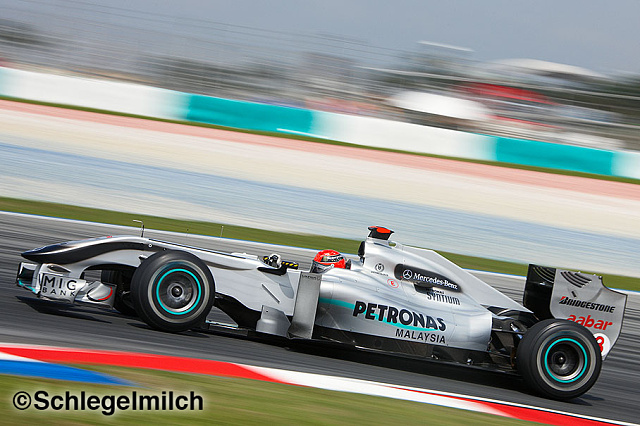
26, 319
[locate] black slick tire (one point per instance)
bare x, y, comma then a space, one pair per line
559, 359
173, 291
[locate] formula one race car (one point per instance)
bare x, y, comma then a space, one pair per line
392, 298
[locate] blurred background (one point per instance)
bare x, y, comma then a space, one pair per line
490, 81
419, 81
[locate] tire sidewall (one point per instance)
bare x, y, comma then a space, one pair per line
536, 348
153, 275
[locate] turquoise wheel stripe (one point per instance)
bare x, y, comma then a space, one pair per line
352, 306
158, 291
546, 364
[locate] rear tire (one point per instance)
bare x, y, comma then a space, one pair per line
559, 359
173, 291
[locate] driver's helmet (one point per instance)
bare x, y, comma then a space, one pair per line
327, 259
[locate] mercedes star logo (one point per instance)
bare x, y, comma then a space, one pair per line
407, 274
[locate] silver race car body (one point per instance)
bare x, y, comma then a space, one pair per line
393, 298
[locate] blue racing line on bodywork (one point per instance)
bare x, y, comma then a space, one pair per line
352, 306
47, 370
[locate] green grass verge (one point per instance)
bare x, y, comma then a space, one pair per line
230, 402
333, 142
252, 234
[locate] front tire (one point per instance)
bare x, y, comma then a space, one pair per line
173, 291
559, 359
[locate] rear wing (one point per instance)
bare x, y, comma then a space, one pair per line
578, 297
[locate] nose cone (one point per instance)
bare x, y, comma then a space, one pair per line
41, 253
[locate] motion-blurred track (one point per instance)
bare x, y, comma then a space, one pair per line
190, 172
25, 319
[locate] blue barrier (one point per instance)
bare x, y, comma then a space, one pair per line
154, 102
554, 156
248, 115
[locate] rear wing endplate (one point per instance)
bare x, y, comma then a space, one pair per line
578, 297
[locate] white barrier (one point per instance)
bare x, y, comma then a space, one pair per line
380, 133
626, 164
106, 95
149, 101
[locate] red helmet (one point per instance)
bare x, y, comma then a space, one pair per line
327, 259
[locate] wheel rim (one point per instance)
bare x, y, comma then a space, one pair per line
178, 291
565, 360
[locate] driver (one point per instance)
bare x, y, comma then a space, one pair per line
327, 259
